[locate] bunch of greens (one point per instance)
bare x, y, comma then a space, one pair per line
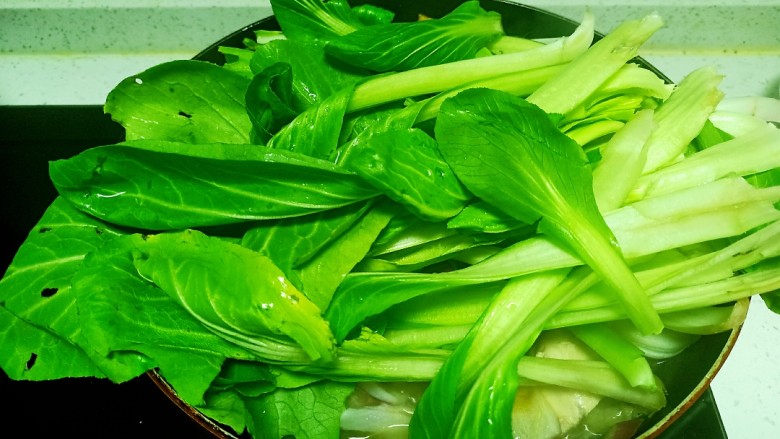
514, 229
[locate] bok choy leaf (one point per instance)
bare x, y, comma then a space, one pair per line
408, 45
187, 101
177, 187
243, 297
509, 153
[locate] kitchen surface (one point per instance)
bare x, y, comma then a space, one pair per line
72, 52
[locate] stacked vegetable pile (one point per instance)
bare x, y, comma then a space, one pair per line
517, 229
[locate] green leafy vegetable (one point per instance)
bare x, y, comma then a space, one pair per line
244, 298
269, 102
309, 412
583, 76
39, 320
315, 20
187, 101
492, 237
313, 77
153, 190
404, 46
317, 131
290, 242
382, 89
407, 167
322, 274
509, 153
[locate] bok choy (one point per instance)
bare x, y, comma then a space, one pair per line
359, 226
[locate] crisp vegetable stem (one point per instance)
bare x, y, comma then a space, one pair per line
618, 352
681, 117
592, 376
519, 83
615, 272
433, 79
683, 298
594, 67
624, 155
748, 154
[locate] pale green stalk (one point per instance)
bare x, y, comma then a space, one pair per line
736, 124
632, 78
626, 358
519, 83
595, 130
433, 336
586, 73
371, 366
622, 161
682, 299
700, 214
709, 320
674, 291
510, 44
615, 272
519, 299
592, 376
681, 117
762, 107
661, 346
428, 80
714, 266
748, 154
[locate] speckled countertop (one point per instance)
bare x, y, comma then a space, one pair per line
74, 51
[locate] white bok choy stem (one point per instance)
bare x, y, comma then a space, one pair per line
586, 73
748, 154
